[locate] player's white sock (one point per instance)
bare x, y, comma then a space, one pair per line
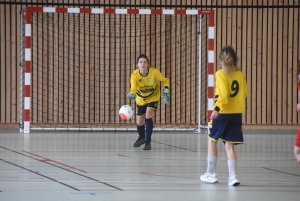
232, 165
211, 164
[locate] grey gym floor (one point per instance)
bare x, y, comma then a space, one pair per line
77, 166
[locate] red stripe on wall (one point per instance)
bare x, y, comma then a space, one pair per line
109, 11
27, 91
180, 12
28, 42
210, 92
211, 69
211, 44
27, 16
27, 67
61, 10
204, 12
133, 11
26, 115
211, 21
157, 12
85, 10
34, 9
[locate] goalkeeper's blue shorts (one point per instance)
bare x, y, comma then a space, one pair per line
141, 109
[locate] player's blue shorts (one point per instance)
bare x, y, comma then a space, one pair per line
228, 128
141, 109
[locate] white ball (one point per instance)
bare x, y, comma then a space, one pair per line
126, 112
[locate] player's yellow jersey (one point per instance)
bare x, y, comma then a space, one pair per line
146, 88
230, 92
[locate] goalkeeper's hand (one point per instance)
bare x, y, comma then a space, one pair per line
130, 96
166, 95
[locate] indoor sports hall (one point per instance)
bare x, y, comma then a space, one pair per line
70, 116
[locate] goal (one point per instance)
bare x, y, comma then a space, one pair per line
76, 65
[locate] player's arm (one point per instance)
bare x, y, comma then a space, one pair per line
133, 87
222, 98
245, 87
133, 84
166, 85
165, 81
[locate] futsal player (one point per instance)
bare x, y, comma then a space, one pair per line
145, 89
226, 118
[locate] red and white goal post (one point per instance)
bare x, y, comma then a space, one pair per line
76, 65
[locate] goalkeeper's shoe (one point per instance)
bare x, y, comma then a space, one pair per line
147, 146
139, 142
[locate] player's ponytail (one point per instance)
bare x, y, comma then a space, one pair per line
229, 59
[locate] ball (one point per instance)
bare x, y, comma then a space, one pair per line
126, 112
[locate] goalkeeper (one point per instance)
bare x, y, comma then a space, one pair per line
145, 90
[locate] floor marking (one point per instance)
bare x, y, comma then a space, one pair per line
174, 146
123, 156
159, 175
40, 174
281, 172
53, 161
91, 193
64, 169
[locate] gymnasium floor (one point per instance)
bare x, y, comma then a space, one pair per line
80, 166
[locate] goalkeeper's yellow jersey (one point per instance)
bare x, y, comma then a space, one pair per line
230, 92
146, 88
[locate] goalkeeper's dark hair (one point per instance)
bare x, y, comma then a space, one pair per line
142, 56
229, 59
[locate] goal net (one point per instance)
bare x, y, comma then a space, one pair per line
77, 62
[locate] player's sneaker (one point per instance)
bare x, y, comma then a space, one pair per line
147, 146
233, 181
139, 142
209, 178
